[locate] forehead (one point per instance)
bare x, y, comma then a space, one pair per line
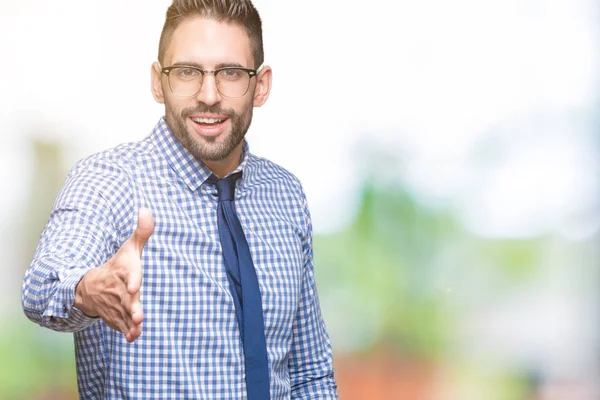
208, 42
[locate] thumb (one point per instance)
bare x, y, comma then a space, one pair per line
144, 229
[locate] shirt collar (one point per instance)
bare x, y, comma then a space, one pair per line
192, 171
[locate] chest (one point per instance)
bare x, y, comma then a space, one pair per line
184, 271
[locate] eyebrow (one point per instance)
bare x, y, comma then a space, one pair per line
218, 66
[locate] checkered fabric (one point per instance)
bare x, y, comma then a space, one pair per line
190, 346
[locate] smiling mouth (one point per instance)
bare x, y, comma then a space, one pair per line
209, 126
208, 121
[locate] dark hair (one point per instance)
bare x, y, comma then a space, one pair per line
241, 12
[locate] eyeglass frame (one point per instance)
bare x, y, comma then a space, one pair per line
167, 70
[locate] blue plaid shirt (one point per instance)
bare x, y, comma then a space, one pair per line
190, 347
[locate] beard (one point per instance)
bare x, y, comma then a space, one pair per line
210, 148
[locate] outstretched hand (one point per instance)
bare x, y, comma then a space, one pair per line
112, 291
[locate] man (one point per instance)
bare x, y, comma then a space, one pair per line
188, 232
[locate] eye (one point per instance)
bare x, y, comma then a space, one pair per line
186, 73
231, 74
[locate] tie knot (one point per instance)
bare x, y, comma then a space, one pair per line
226, 186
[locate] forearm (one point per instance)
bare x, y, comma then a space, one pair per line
81, 234
311, 360
324, 387
311, 363
48, 295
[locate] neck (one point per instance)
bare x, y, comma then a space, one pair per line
227, 165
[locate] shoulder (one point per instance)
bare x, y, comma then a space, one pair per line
282, 190
267, 172
103, 183
108, 174
122, 159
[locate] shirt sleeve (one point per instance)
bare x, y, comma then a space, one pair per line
79, 235
311, 361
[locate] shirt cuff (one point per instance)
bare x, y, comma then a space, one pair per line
60, 312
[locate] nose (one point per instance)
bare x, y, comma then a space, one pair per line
209, 94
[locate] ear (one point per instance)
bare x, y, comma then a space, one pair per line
157, 88
263, 86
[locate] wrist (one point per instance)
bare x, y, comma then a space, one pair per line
81, 301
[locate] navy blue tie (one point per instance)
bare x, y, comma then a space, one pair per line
243, 284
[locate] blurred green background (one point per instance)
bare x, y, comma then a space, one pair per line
454, 184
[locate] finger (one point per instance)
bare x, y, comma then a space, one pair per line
134, 333
144, 229
134, 278
134, 316
119, 325
123, 312
134, 330
137, 312
127, 328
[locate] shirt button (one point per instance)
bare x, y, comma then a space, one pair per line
65, 309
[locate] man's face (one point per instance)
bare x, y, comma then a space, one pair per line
210, 125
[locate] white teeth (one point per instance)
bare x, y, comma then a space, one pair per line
207, 120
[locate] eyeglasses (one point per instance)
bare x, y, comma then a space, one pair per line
186, 81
